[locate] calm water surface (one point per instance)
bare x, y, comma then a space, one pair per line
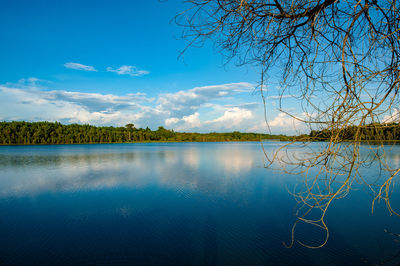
173, 204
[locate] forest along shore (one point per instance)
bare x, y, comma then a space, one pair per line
27, 133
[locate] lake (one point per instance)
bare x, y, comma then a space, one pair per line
175, 204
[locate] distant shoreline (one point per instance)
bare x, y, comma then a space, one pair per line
48, 133
55, 133
139, 142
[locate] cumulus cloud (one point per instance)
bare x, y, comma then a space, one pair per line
78, 66
96, 102
282, 120
171, 121
128, 70
187, 123
393, 117
193, 120
186, 102
71, 107
285, 123
232, 117
201, 109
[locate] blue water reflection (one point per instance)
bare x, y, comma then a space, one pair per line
169, 204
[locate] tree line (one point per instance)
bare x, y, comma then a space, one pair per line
371, 132
57, 133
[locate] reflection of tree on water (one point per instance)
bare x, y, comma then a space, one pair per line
394, 257
329, 173
393, 234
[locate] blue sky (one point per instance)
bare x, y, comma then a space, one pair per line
116, 62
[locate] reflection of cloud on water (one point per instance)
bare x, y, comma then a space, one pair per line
209, 170
236, 161
191, 157
394, 156
205, 170
396, 159
70, 173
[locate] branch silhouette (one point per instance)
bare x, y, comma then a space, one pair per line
341, 59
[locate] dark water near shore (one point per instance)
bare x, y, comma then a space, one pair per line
174, 204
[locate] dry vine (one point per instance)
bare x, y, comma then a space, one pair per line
341, 59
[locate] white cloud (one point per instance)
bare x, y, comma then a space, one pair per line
97, 101
192, 120
285, 123
24, 83
282, 120
171, 121
186, 102
189, 123
393, 117
128, 70
249, 105
281, 96
232, 117
78, 66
